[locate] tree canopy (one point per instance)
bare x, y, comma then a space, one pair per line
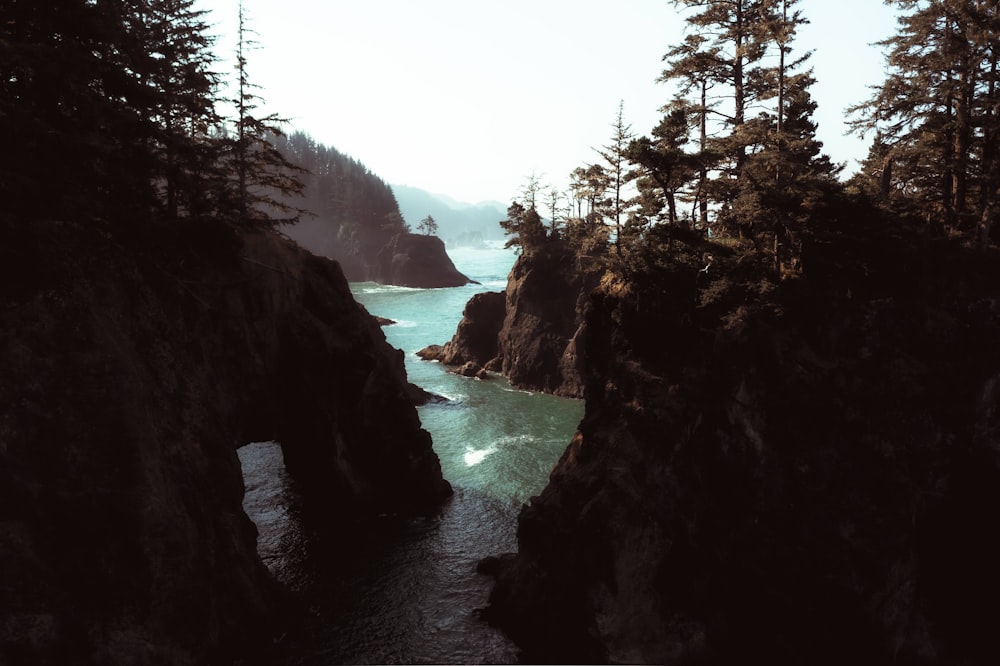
737, 143
428, 226
936, 117
109, 112
736, 152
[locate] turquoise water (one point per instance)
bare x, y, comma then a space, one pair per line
406, 591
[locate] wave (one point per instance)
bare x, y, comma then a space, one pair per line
473, 457
511, 389
524, 438
376, 288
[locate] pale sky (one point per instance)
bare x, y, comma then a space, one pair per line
468, 98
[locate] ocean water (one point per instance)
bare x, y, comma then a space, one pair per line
406, 590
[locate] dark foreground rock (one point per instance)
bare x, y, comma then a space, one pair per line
129, 379
795, 472
417, 260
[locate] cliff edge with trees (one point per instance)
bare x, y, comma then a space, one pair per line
351, 215
788, 453
151, 322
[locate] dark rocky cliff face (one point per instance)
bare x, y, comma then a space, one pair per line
406, 260
537, 343
529, 332
783, 473
415, 260
474, 344
129, 380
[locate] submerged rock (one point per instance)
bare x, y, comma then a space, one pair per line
130, 377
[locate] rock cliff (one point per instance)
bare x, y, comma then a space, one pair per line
416, 260
782, 472
132, 370
529, 332
403, 259
475, 339
537, 342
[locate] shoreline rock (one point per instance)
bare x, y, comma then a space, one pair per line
800, 474
417, 260
528, 333
131, 375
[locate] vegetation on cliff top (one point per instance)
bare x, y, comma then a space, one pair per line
735, 157
789, 449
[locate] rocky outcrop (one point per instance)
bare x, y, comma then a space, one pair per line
406, 260
529, 332
130, 377
546, 292
805, 471
474, 344
416, 260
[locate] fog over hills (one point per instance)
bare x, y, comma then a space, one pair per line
458, 223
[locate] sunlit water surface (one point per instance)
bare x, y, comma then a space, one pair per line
406, 591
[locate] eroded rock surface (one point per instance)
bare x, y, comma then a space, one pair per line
529, 332
417, 260
130, 377
475, 340
784, 473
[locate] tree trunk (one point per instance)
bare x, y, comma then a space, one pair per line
963, 124
739, 85
991, 172
781, 70
703, 145
885, 179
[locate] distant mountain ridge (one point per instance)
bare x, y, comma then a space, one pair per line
458, 223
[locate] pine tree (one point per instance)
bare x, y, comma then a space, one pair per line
767, 168
726, 49
786, 175
936, 113
264, 180
664, 166
615, 156
524, 227
697, 67
71, 123
428, 226
786, 181
108, 110
182, 85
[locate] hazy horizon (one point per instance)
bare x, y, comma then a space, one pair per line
467, 100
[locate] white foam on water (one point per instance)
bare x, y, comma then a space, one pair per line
473, 457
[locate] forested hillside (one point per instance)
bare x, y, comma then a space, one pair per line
348, 213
